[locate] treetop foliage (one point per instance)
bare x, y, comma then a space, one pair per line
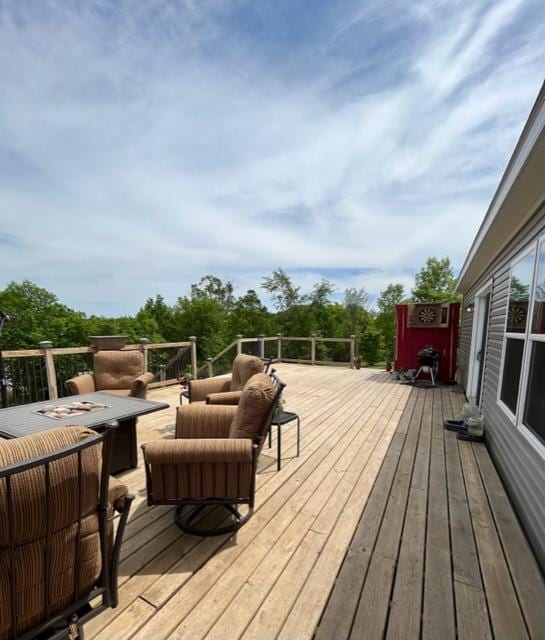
215, 315
435, 282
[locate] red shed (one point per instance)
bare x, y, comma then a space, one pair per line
424, 324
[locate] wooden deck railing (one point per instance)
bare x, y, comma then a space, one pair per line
303, 350
40, 374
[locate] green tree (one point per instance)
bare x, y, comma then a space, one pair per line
371, 344
282, 290
36, 314
213, 288
249, 317
163, 315
435, 282
386, 316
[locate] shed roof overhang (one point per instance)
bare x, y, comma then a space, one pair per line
520, 193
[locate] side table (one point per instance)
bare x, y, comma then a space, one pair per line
279, 420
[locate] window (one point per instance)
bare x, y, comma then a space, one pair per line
522, 390
522, 276
534, 412
512, 368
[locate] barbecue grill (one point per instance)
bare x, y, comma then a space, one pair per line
428, 361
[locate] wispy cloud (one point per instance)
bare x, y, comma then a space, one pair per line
143, 144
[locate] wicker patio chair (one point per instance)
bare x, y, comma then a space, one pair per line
226, 390
213, 459
120, 373
58, 551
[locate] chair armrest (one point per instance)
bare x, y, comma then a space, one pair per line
139, 385
84, 383
228, 397
204, 421
117, 492
199, 389
196, 450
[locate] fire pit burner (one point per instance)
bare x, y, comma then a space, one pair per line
61, 412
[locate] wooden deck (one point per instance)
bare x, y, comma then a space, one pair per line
385, 526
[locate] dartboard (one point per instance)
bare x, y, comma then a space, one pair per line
517, 315
427, 315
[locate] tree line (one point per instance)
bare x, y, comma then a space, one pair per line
215, 315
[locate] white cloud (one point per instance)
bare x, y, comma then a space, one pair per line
146, 144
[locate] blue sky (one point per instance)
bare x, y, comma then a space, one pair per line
144, 144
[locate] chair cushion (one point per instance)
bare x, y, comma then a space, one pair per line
255, 404
124, 393
117, 369
28, 488
29, 522
244, 367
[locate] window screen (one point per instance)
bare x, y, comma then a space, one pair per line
512, 366
538, 321
534, 412
519, 294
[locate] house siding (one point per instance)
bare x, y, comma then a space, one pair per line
521, 466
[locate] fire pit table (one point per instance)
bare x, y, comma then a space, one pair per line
102, 407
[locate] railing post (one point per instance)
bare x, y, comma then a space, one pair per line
239, 343
313, 348
51, 374
194, 372
143, 348
261, 345
279, 352
210, 368
352, 350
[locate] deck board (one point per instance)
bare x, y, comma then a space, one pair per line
460, 567
368, 534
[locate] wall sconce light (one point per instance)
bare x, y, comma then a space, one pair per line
470, 308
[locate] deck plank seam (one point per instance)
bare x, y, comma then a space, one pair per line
476, 545
408, 433
500, 539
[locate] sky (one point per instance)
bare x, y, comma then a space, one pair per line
147, 143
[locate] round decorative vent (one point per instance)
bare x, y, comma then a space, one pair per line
427, 315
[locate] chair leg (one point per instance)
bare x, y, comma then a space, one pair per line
298, 435
270, 436
184, 520
278, 447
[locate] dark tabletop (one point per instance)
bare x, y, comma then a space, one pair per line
22, 421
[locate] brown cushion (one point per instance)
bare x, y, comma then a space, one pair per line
30, 526
255, 404
244, 367
28, 488
117, 369
124, 393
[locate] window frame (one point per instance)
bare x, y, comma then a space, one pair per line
513, 417
530, 338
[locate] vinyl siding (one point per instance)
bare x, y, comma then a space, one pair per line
521, 466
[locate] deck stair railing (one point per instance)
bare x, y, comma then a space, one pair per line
313, 350
39, 374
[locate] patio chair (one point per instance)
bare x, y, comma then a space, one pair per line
213, 459
226, 390
120, 373
58, 551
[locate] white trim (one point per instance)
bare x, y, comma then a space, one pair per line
529, 338
477, 335
532, 248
